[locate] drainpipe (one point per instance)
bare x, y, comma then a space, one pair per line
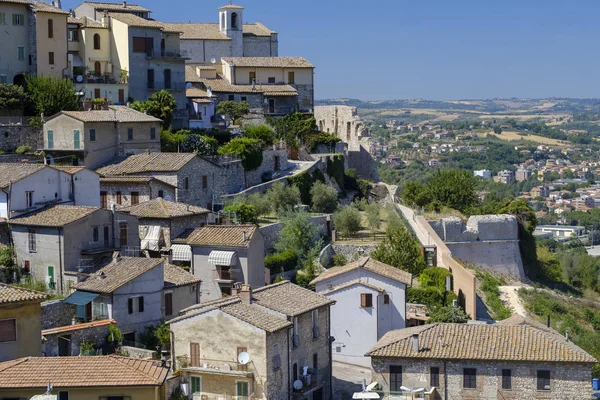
173, 363
73, 188
112, 225
330, 352
289, 365
60, 261
445, 381
8, 200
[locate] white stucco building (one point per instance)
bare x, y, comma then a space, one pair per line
370, 301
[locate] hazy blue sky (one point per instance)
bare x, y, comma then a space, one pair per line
434, 49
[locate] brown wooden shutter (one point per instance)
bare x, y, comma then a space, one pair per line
168, 303
135, 198
195, 354
130, 305
141, 303
8, 330
366, 300
50, 28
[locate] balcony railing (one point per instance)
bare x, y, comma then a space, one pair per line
214, 366
309, 381
162, 53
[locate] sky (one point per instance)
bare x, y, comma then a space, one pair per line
430, 49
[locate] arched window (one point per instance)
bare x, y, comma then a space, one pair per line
222, 21
96, 41
234, 21
97, 68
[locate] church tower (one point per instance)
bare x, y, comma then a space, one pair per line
231, 23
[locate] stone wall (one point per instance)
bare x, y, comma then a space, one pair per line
136, 352
13, 136
343, 122
363, 162
268, 164
271, 232
490, 242
567, 380
352, 252
57, 313
95, 335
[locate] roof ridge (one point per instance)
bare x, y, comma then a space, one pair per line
120, 360
273, 285
15, 362
23, 289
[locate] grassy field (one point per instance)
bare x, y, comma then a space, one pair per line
514, 136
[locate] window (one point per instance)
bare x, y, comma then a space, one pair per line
243, 98
27, 266
150, 79
204, 181
50, 28
543, 380
106, 236
152, 133
168, 303
63, 395
395, 378
97, 93
506, 379
29, 199
276, 358
8, 330
366, 300
295, 335
103, 200
21, 52
161, 194
186, 183
51, 58
92, 135
241, 390
315, 361
96, 41
469, 378
195, 354
2, 18
119, 198
123, 234
386, 299
291, 77
31, 240
196, 385
136, 304
51, 277
315, 324
231, 97
96, 234
142, 45
271, 79
251, 77
76, 142
234, 21
73, 35
19, 19
129, 134
167, 78
135, 198
434, 377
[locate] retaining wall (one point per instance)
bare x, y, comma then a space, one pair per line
271, 232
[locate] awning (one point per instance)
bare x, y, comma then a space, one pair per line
181, 252
222, 258
77, 61
81, 298
151, 241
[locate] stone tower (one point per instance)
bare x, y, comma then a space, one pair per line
231, 23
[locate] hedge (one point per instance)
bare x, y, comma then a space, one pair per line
430, 296
281, 262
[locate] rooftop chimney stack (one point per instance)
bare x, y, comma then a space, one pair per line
124, 3
105, 20
415, 342
245, 293
243, 236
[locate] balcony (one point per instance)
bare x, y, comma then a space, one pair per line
91, 248
162, 53
309, 381
217, 367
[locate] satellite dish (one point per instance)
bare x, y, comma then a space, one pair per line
243, 358
213, 60
298, 384
188, 85
79, 78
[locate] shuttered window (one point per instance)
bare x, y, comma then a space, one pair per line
195, 354
366, 300
8, 330
469, 378
123, 233
135, 198
196, 385
395, 378
76, 141
50, 139
543, 380
168, 304
135, 304
50, 28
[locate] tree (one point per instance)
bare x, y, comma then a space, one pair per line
51, 95
373, 213
416, 194
298, 235
448, 314
283, 198
523, 212
399, 249
12, 97
200, 144
261, 203
293, 127
323, 197
244, 213
497, 130
453, 188
309, 270
233, 110
171, 142
347, 220
248, 149
162, 105
264, 133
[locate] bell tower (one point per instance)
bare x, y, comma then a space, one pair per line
231, 23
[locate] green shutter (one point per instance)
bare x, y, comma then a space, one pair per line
196, 385
50, 275
76, 142
242, 390
50, 139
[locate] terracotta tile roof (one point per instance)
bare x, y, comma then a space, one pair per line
177, 276
77, 327
223, 86
14, 172
350, 284
368, 264
113, 114
289, 299
92, 23
73, 20
502, 341
131, 179
201, 101
268, 62
99, 5
196, 92
40, 6
253, 314
135, 21
17, 1
161, 208
231, 6
83, 371
219, 235
116, 274
148, 162
191, 75
210, 31
68, 169
54, 216
15, 294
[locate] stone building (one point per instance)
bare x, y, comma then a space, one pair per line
512, 359
93, 138
66, 340
125, 191
285, 331
230, 37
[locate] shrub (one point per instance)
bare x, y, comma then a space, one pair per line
298, 235
339, 260
281, 262
347, 220
335, 169
327, 139
264, 133
245, 213
249, 150
489, 286
283, 198
200, 144
114, 334
86, 349
23, 150
261, 203
430, 296
400, 249
304, 181
448, 314
434, 277
324, 198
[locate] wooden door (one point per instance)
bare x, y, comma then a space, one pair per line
122, 96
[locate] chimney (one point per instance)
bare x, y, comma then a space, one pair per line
415, 342
124, 3
56, 3
105, 20
116, 257
567, 335
245, 293
74, 320
244, 236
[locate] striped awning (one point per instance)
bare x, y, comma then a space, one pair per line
222, 258
181, 252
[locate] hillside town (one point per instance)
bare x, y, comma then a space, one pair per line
180, 218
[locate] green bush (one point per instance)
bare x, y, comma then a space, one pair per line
434, 277
23, 150
281, 262
261, 203
244, 213
335, 169
448, 314
314, 140
339, 260
304, 181
264, 133
347, 220
284, 198
430, 296
324, 198
489, 286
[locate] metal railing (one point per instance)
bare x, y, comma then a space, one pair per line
162, 53
14, 120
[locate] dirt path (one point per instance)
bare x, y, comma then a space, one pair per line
510, 297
